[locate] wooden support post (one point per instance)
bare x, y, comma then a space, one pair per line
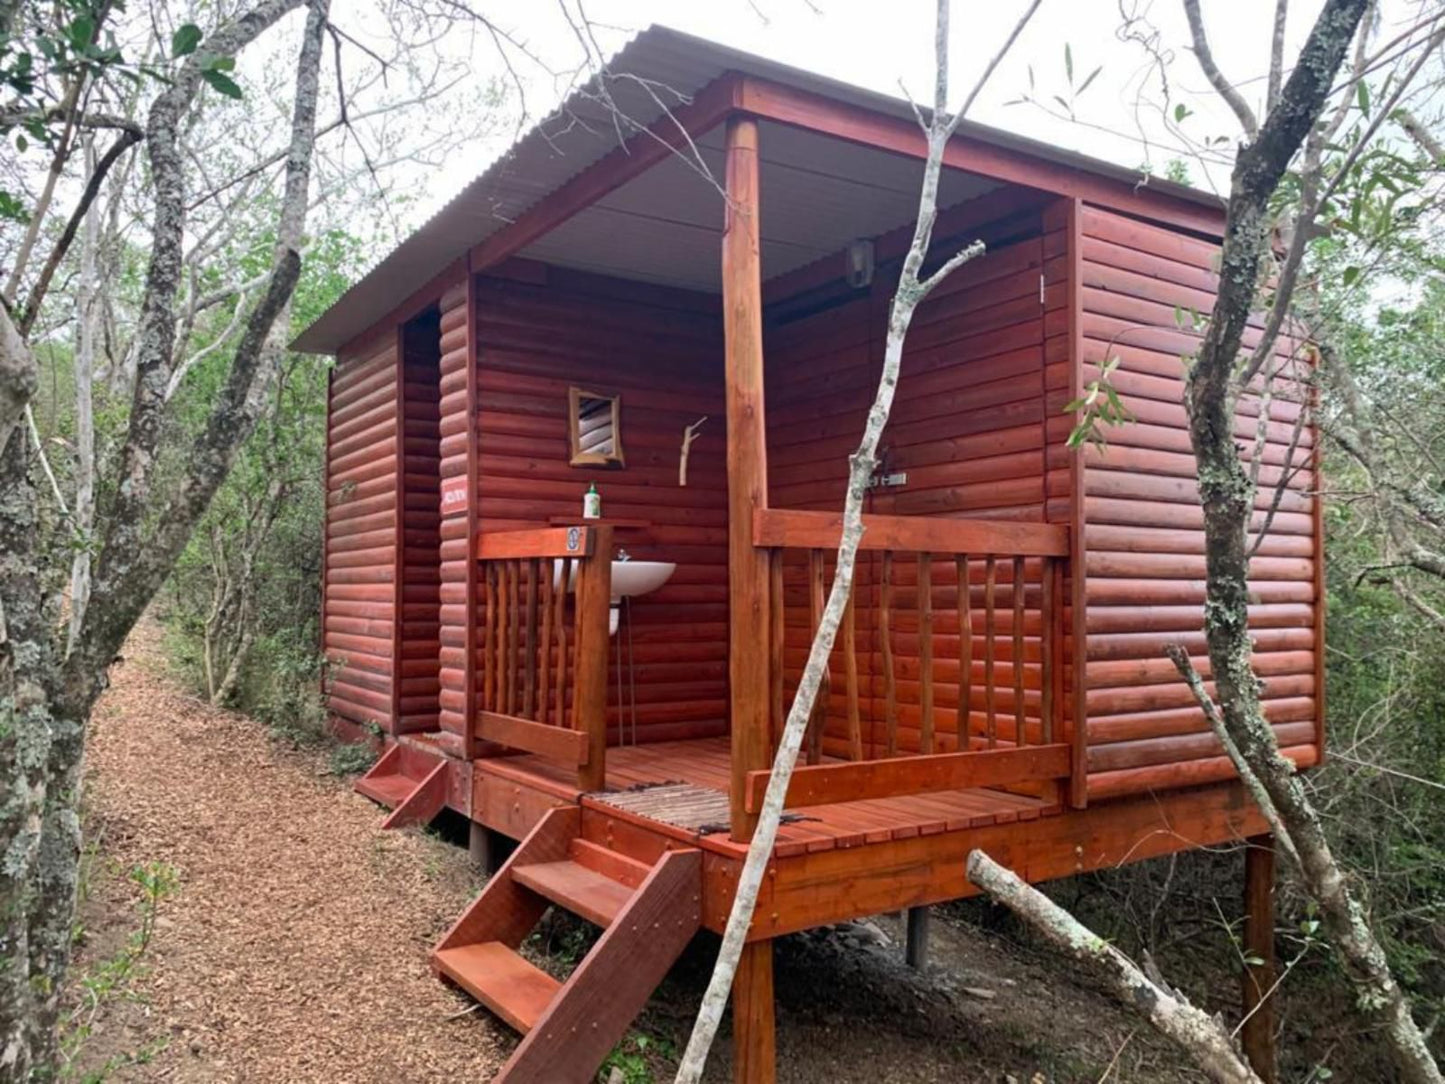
1257, 1035
594, 603
916, 949
755, 1055
747, 467
487, 848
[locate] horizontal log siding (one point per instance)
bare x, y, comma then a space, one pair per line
420, 587
662, 351
359, 595
1144, 539
968, 429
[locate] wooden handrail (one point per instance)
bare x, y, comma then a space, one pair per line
920, 534
830, 784
537, 542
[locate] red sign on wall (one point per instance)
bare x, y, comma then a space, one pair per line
454, 495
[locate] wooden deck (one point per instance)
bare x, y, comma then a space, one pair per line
703, 764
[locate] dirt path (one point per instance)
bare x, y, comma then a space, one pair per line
295, 946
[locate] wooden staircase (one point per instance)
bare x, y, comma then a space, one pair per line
648, 915
409, 780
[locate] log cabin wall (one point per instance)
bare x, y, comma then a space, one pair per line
968, 428
1144, 537
548, 329
359, 596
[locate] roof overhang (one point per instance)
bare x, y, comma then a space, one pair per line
621, 179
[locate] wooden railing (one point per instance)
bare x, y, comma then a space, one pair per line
978, 602
542, 681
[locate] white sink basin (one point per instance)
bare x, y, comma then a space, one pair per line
629, 578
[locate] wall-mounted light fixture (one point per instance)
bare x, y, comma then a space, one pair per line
859, 255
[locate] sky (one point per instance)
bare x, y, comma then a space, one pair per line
886, 45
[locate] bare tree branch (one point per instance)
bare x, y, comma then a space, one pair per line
1222, 86
911, 292
1202, 1037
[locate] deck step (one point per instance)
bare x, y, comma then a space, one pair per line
583, 891
409, 780
390, 789
500, 979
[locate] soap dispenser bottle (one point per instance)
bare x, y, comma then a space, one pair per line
592, 503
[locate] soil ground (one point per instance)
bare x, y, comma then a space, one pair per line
294, 947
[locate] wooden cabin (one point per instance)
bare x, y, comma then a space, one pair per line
707, 280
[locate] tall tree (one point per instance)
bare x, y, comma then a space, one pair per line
1294, 134
49, 681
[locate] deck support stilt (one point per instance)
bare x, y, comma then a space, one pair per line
755, 1055
485, 847
1257, 1035
916, 949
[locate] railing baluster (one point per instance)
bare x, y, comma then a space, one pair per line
514, 631
819, 720
777, 633
548, 572
504, 624
990, 716
885, 630
529, 652
489, 638
925, 651
965, 654
1021, 737
1046, 650
850, 671
562, 659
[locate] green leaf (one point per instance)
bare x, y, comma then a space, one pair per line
1088, 79
185, 39
1069, 63
22, 144
12, 208
222, 83
1351, 276
81, 30
1180, 112
1362, 96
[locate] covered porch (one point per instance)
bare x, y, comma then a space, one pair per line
721, 280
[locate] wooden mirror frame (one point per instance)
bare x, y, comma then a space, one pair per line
579, 458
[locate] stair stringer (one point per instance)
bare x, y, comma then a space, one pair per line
594, 1008
423, 804
505, 911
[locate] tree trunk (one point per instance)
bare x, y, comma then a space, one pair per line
86, 318
1227, 495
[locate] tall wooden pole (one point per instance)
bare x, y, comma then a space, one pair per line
1257, 1035
747, 464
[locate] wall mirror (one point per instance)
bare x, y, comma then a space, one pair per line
594, 428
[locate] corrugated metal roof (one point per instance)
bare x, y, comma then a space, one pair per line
662, 226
